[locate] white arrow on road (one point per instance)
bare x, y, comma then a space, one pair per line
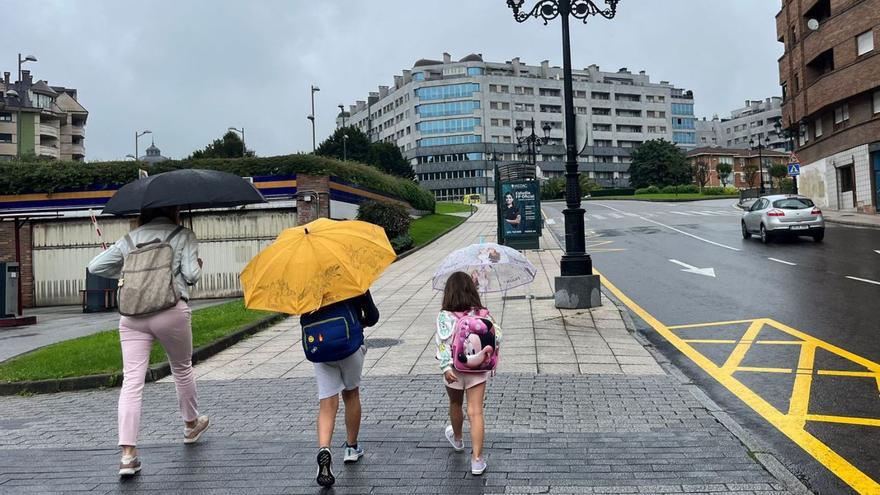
877, 251
709, 272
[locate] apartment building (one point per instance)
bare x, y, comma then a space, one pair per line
746, 165
830, 77
39, 119
449, 117
755, 122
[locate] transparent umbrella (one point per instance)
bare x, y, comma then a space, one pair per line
495, 268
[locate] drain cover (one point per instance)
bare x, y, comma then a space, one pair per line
378, 343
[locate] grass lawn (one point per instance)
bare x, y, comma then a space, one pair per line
447, 208
100, 353
663, 197
430, 226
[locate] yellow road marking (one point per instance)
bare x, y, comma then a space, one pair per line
861, 374
800, 395
739, 352
703, 325
709, 341
755, 369
844, 419
790, 427
779, 342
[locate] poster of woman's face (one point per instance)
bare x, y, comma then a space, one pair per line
520, 208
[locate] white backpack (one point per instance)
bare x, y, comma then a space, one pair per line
147, 283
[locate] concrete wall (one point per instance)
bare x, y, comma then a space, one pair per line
819, 180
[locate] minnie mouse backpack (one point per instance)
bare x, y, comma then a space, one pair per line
474, 347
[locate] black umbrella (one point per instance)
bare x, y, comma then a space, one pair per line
189, 189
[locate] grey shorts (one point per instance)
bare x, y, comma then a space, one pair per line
335, 376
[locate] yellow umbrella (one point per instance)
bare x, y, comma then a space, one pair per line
316, 264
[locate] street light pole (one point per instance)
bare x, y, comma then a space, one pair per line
137, 135
342, 112
570, 292
345, 147
27, 58
311, 117
532, 142
243, 144
788, 134
760, 149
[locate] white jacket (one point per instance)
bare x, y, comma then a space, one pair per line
186, 253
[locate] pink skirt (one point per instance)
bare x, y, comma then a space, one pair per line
466, 380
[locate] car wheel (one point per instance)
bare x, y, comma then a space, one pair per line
765, 236
818, 236
746, 234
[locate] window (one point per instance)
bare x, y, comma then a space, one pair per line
465, 90
649, 98
552, 123
602, 127
602, 143
5, 117
818, 127
498, 88
523, 107
444, 140
445, 109
601, 111
627, 97
499, 105
524, 90
475, 71
845, 179
652, 129
629, 128
600, 96
580, 110
797, 82
551, 108
864, 43
876, 102
5, 138
549, 92
629, 113
785, 92
418, 76
841, 114
656, 114
682, 109
501, 122
684, 138
580, 94
447, 126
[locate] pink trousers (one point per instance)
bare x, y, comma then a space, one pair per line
173, 329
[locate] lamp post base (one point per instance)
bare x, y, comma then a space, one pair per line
578, 292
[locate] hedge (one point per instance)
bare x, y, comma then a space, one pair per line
56, 176
612, 192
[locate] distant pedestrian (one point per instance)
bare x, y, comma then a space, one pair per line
333, 338
461, 365
173, 250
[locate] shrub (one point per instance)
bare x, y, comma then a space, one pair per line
390, 216
401, 243
20, 177
613, 192
687, 189
730, 191
648, 190
669, 190
713, 191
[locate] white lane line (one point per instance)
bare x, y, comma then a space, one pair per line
550, 221
680, 213
631, 214
704, 214
615, 215
598, 217
783, 262
864, 280
677, 230
877, 251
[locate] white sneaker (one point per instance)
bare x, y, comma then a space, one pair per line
458, 445
129, 465
478, 466
192, 435
352, 454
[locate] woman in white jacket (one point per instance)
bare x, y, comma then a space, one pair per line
171, 327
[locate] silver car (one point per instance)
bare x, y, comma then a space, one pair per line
790, 214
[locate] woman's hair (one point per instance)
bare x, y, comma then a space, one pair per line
170, 212
460, 293
511, 197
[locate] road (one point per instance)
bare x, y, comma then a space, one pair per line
783, 336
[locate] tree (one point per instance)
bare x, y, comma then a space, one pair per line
588, 185
356, 148
701, 174
658, 163
229, 146
387, 158
553, 188
779, 171
751, 173
724, 170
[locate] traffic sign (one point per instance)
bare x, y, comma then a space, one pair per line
794, 165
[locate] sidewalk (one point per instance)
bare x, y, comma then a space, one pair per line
852, 218
578, 406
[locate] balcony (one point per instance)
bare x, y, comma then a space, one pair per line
73, 151
49, 130
8, 149
47, 151
843, 84
77, 130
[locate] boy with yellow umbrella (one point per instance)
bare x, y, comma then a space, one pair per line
323, 271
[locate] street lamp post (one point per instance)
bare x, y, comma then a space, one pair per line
243, 144
345, 147
760, 147
532, 142
577, 288
27, 58
342, 112
311, 116
496, 184
137, 135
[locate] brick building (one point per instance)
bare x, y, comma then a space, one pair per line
741, 160
830, 76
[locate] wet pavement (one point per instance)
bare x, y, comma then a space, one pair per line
794, 321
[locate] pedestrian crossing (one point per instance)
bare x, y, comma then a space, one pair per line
660, 214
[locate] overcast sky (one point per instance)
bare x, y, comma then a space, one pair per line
187, 70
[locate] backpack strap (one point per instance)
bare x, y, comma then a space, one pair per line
173, 234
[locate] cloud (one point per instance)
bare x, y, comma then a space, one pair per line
188, 70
